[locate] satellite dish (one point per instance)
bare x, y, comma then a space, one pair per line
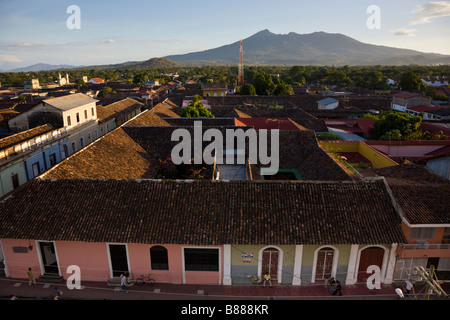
400, 293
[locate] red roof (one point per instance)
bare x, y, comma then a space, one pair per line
422, 108
366, 125
436, 128
405, 95
99, 80
269, 123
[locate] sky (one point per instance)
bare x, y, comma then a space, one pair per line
107, 32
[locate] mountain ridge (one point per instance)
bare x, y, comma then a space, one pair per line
317, 48
267, 48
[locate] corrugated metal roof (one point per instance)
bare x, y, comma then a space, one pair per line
70, 101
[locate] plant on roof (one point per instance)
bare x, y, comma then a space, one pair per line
196, 109
168, 170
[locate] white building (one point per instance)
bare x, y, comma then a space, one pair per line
31, 84
63, 81
435, 81
328, 104
75, 112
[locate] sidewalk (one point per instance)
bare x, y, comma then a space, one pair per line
101, 291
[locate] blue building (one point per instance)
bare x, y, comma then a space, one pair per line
25, 155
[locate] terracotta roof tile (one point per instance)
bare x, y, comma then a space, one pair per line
277, 213
421, 194
24, 136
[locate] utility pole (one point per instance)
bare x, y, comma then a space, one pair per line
241, 65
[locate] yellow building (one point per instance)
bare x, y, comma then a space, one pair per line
214, 90
359, 154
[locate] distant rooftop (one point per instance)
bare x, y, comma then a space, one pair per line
69, 101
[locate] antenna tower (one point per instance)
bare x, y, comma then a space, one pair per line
241, 65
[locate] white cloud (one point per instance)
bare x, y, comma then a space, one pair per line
9, 58
426, 12
403, 32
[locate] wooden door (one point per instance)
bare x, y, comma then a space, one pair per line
270, 263
324, 264
370, 256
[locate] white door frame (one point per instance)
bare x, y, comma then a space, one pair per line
280, 261
109, 257
335, 261
41, 260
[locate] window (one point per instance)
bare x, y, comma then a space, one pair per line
93, 112
15, 180
159, 258
52, 159
422, 233
82, 142
85, 114
201, 259
69, 122
36, 169
78, 117
446, 237
74, 147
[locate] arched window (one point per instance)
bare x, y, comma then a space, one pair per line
159, 258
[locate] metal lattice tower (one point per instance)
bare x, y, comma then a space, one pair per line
241, 65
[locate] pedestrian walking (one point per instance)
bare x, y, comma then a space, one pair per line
267, 278
330, 282
409, 287
124, 281
337, 288
31, 277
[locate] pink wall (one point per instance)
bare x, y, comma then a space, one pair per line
139, 256
18, 263
92, 258
407, 150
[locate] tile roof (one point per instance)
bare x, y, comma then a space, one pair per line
132, 152
113, 156
116, 109
70, 101
201, 212
24, 136
424, 108
421, 194
269, 123
405, 95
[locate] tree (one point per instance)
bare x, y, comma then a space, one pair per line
106, 90
196, 109
263, 84
247, 90
139, 78
283, 89
410, 81
394, 125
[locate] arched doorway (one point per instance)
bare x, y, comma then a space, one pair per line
324, 264
270, 262
369, 256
